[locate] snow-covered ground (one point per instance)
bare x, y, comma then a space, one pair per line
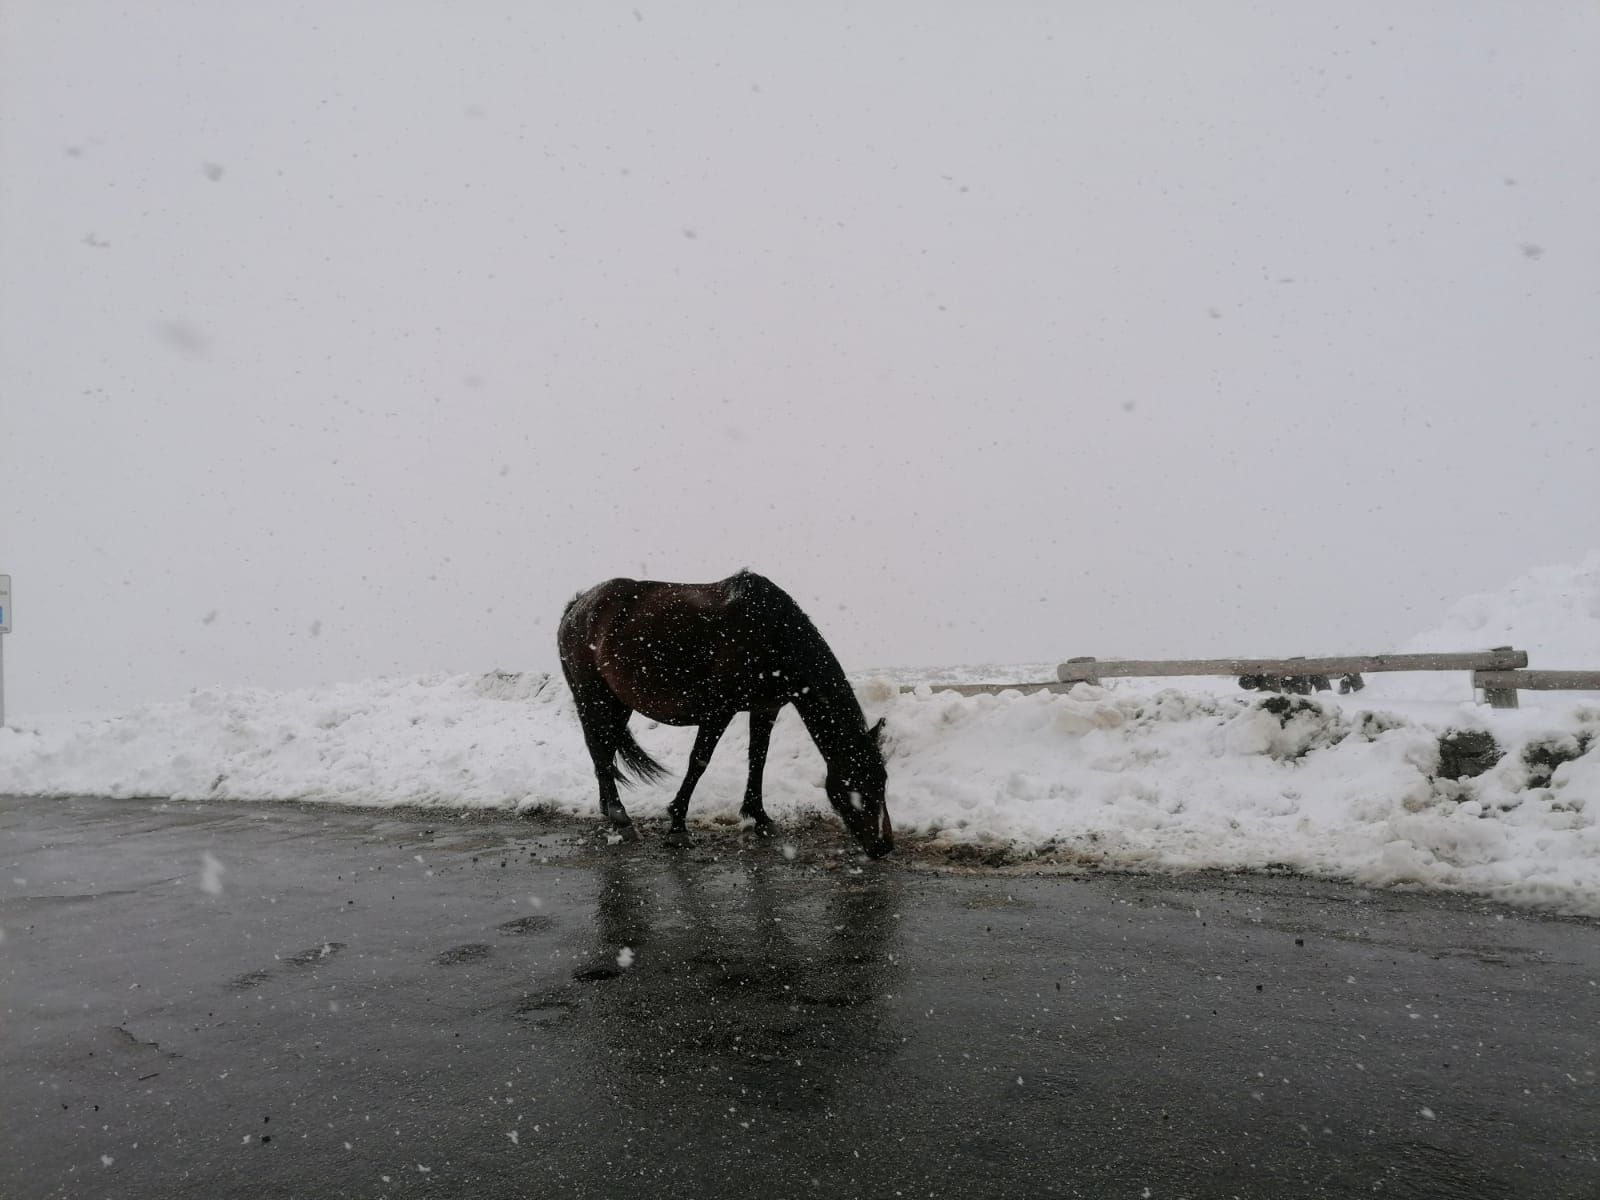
1138, 775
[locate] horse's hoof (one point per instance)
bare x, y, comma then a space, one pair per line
678, 838
623, 833
765, 829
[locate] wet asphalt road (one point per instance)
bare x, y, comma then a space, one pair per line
379, 1004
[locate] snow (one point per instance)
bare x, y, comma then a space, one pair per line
211, 872
1137, 775
1551, 612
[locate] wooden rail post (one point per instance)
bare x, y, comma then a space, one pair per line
1501, 697
1088, 676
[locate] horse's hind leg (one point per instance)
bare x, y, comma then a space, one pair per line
603, 718
705, 742
761, 723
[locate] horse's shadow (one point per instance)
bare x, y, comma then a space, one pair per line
753, 977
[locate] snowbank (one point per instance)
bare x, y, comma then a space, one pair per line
1126, 778
1551, 612
1138, 774
1183, 780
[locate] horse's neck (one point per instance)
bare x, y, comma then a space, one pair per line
832, 716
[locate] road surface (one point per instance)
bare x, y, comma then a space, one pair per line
292, 1000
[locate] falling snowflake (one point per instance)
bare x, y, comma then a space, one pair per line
211, 872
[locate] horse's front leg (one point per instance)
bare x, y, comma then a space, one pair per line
704, 743
761, 723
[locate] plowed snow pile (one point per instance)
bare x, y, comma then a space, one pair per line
1133, 776
1551, 612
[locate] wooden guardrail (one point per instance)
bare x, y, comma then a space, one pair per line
1092, 670
1537, 681
1272, 673
1499, 673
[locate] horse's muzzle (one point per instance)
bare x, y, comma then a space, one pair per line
885, 842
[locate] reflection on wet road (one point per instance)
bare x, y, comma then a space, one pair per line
749, 982
395, 1005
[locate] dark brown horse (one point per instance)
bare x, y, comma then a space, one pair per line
697, 654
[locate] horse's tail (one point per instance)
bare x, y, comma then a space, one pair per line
645, 769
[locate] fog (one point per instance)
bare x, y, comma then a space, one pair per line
351, 340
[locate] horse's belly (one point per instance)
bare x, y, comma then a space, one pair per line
687, 676
686, 701
686, 709
672, 716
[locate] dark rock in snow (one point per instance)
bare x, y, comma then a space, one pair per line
1467, 753
1542, 758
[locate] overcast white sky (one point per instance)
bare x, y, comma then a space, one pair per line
340, 340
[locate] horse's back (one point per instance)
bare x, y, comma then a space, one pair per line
645, 599
677, 651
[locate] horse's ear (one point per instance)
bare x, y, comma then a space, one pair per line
877, 730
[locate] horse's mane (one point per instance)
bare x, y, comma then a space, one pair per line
793, 630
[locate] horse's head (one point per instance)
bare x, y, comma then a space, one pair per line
855, 788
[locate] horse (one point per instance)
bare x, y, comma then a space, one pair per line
698, 654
